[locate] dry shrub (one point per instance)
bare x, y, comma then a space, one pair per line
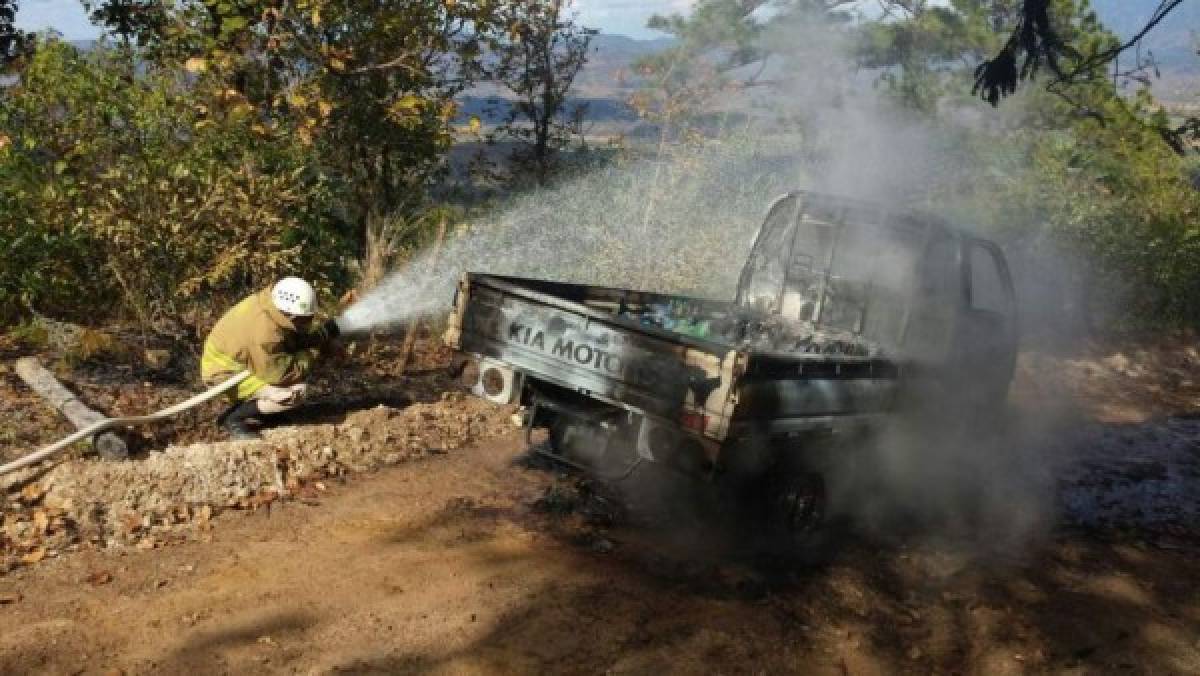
391, 242
149, 198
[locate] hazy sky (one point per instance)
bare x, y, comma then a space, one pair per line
626, 17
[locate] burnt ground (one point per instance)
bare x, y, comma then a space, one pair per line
410, 533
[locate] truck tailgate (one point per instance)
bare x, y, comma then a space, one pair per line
589, 350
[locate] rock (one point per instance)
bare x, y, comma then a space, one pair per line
1118, 362
156, 360
150, 501
100, 577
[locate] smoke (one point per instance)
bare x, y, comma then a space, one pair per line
682, 221
940, 469
989, 484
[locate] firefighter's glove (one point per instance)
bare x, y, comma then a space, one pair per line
330, 330
315, 340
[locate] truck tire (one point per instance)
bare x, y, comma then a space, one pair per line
797, 505
786, 516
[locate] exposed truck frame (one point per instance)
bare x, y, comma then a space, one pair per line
843, 310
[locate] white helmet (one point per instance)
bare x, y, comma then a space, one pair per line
294, 296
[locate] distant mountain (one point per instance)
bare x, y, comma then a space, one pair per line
611, 45
611, 58
1174, 41
602, 85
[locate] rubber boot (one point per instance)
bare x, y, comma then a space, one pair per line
225, 414
235, 421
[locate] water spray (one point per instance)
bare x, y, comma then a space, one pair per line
589, 230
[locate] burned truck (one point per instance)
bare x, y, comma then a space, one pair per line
845, 312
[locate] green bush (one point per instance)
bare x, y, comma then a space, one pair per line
134, 190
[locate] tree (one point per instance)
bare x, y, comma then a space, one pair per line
722, 45
1077, 169
1037, 40
13, 43
149, 197
920, 50
370, 84
391, 71
718, 36
538, 62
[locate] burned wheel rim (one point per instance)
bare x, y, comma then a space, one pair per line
799, 504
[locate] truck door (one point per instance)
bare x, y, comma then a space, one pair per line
938, 292
987, 339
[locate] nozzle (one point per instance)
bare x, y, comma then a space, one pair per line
344, 327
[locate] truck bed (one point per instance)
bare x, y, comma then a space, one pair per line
609, 344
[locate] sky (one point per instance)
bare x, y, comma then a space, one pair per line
624, 17
627, 17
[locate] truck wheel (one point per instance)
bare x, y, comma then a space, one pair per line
798, 505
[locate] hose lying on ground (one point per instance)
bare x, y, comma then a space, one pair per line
109, 423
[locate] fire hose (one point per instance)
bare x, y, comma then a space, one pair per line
109, 423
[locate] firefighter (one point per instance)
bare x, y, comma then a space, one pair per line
270, 334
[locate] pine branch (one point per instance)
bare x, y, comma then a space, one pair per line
1036, 40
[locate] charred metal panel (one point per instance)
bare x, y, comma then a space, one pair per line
671, 376
760, 399
454, 323
809, 386
782, 428
579, 348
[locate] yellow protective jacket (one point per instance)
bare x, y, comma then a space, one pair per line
254, 335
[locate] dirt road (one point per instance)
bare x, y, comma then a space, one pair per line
460, 556
446, 564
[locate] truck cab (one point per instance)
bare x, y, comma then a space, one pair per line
936, 300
